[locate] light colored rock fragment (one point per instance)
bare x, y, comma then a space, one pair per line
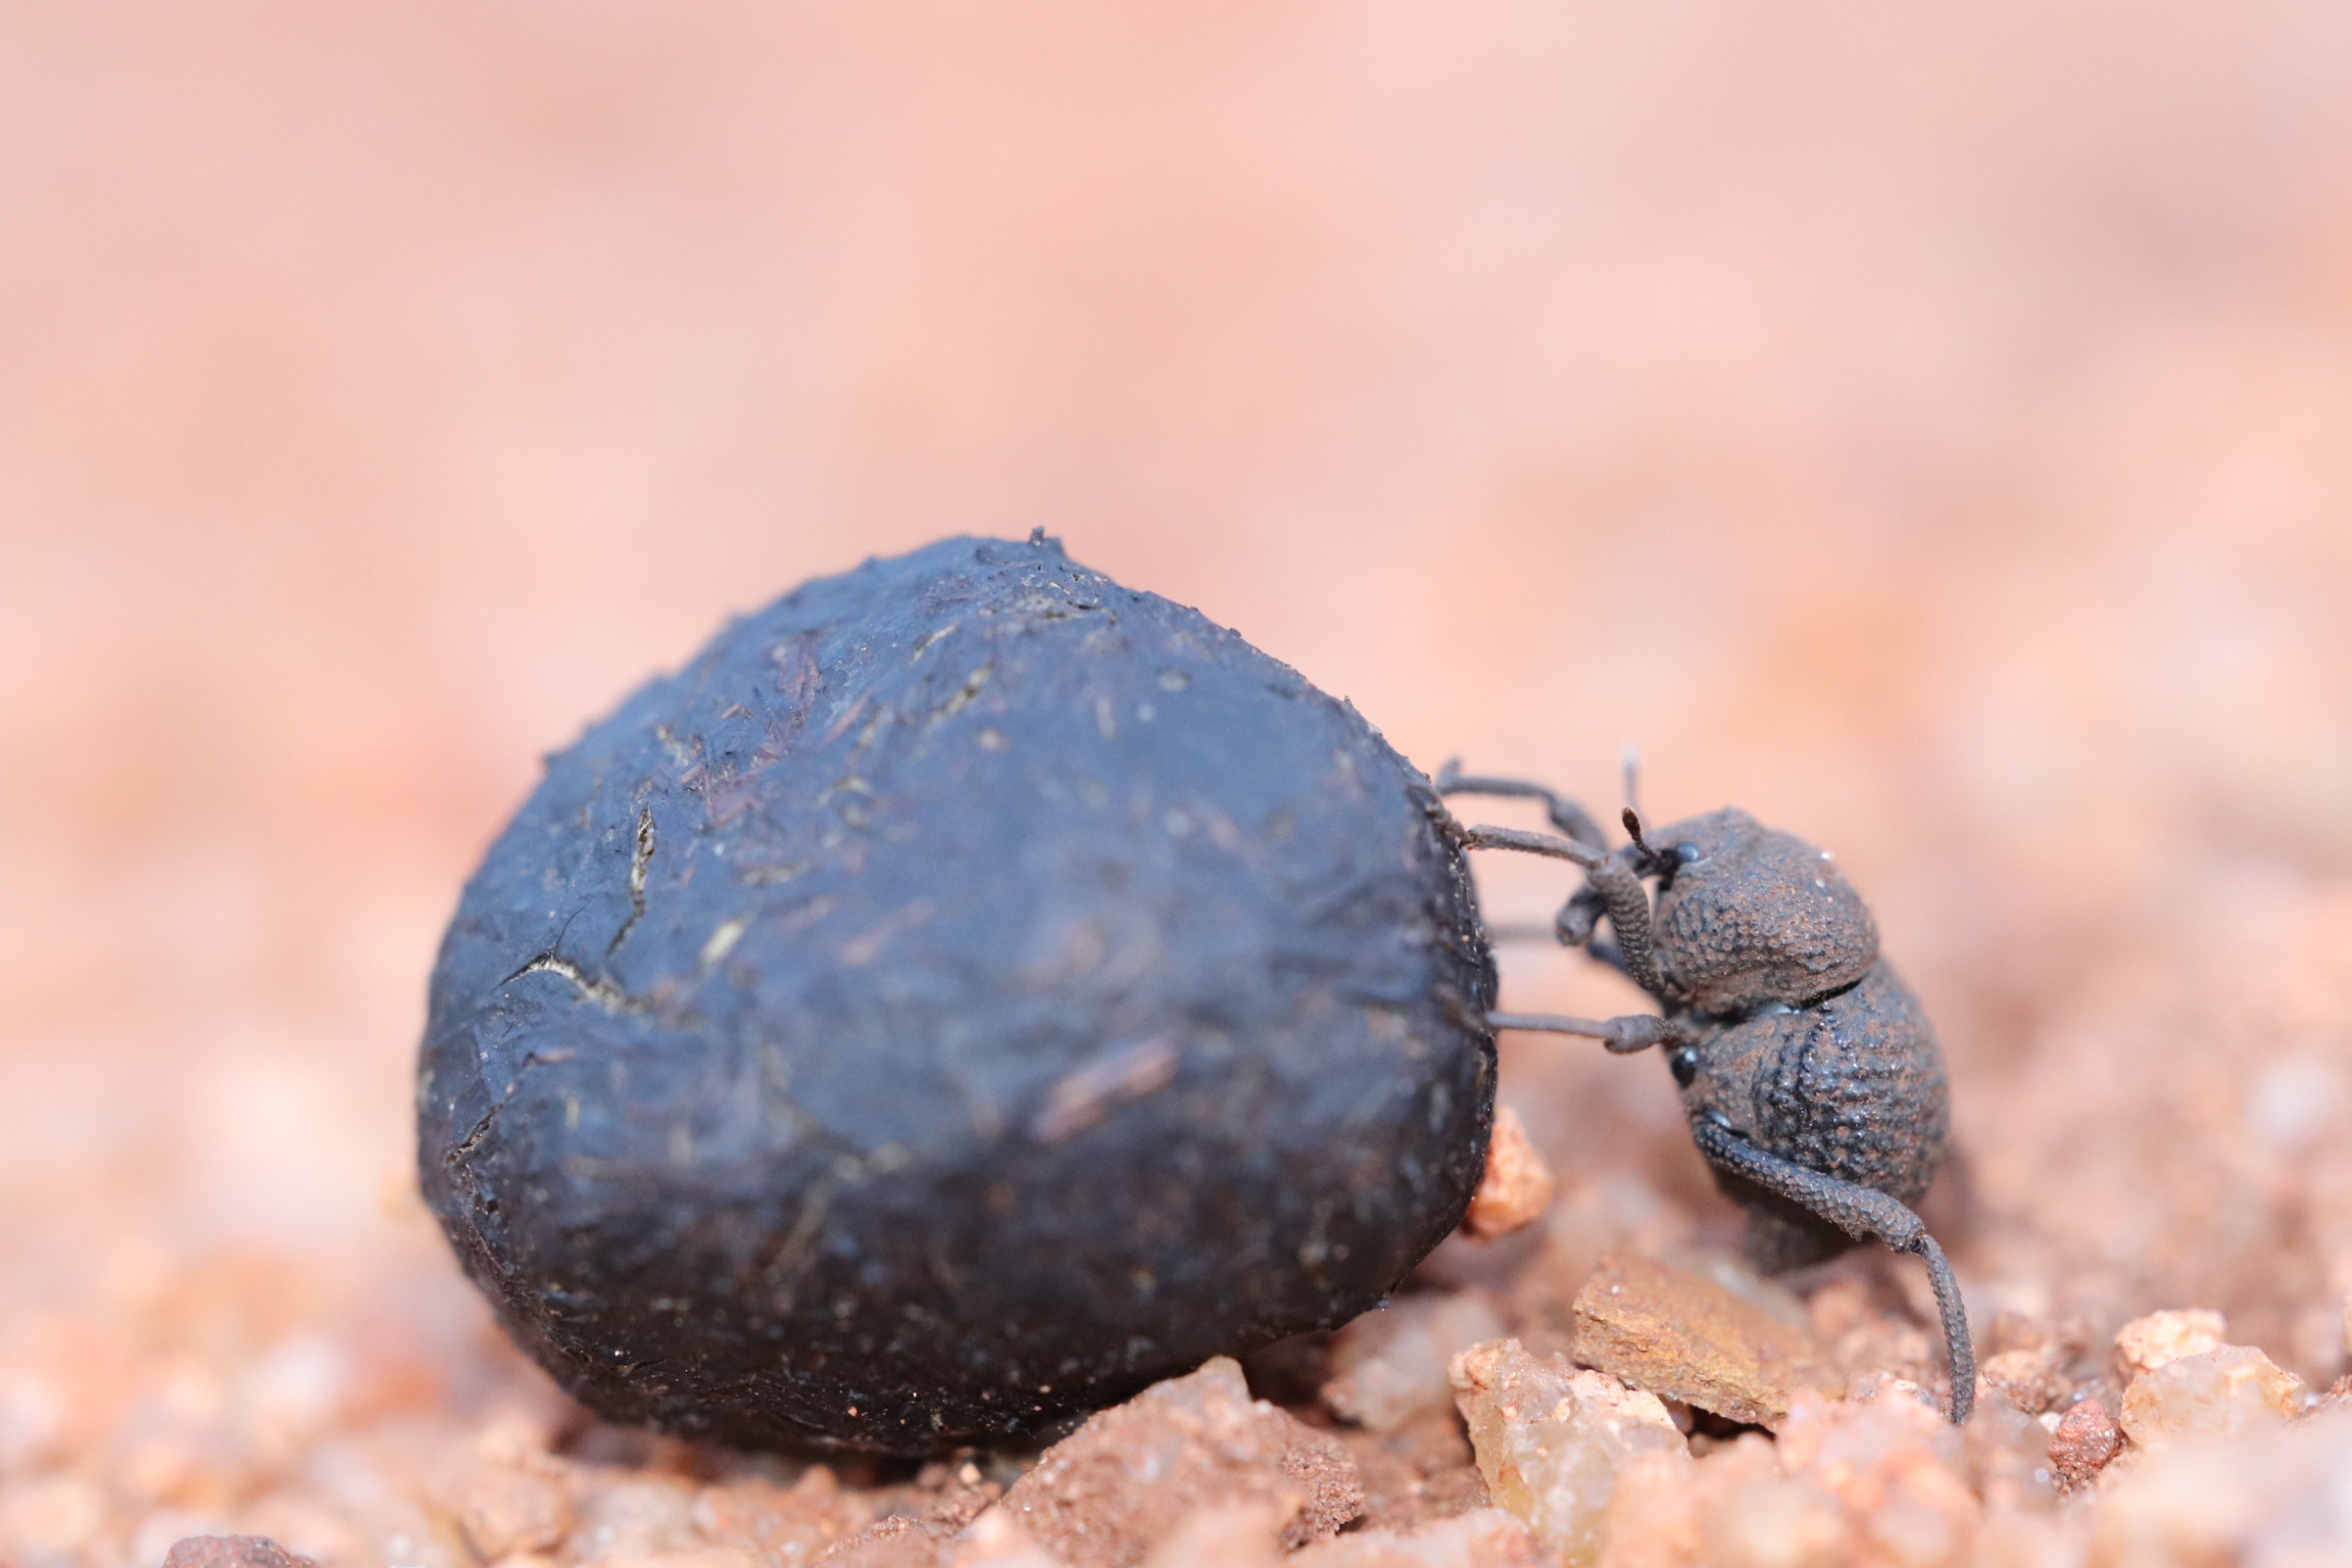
1756, 1517
638, 1516
2010, 1539
784, 1526
1652, 1520
2218, 1391
1482, 1538
2005, 1455
1550, 1439
2033, 1379
1105, 1495
512, 1500
1686, 1336
700, 1558
995, 1541
1246, 1535
2147, 1342
1388, 1366
1516, 1186
1874, 1484
2280, 1497
1893, 1464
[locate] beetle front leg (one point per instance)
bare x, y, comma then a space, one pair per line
1634, 1031
1566, 815
1610, 879
1859, 1211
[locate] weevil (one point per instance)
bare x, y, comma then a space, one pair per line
1809, 1072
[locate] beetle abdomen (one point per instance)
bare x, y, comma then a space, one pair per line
1854, 1087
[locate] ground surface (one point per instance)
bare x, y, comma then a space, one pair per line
1928, 433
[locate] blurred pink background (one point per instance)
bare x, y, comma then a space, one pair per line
1930, 429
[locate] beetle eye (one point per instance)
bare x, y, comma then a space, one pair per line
1686, 853
1685, 1063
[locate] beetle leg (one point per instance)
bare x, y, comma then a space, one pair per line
1577, 918
1858, 1212
1502, 931
1566, 815
1608, 878
1627, 901
1635, 1031
1511, 838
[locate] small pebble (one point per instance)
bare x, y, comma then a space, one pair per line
506, 1508
2006, 1454
2033, 1379
2218, 1391
2030, 1362
2086, 1438
1488, 1537
1516, 1187
1685, 1337
994, 1541
1894, 1463
2147, 1342
1105, 1496
1551, 1440
2271, 1497
1390, 1367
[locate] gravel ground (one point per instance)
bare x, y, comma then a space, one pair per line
1923, 432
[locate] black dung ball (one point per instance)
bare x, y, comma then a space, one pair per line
968, 991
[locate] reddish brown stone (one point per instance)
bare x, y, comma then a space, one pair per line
1687, 1338
2086, 1438
1516, 1186
1103, 1498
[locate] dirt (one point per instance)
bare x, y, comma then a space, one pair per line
1922, 430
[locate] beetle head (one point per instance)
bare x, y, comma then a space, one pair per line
1747, 917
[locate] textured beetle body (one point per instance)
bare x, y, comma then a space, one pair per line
1807, 1042
1808, 1070
1850, 1085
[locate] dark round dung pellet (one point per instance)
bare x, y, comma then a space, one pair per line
970, 990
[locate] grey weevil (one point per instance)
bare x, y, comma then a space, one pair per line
1810, 1075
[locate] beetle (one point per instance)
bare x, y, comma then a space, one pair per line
1810, 1075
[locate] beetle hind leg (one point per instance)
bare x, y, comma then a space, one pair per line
1859, 1211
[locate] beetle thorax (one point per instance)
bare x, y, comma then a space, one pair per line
1747, 918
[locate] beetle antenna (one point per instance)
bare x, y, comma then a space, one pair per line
1632, 828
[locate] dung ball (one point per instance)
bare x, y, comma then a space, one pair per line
967, 992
